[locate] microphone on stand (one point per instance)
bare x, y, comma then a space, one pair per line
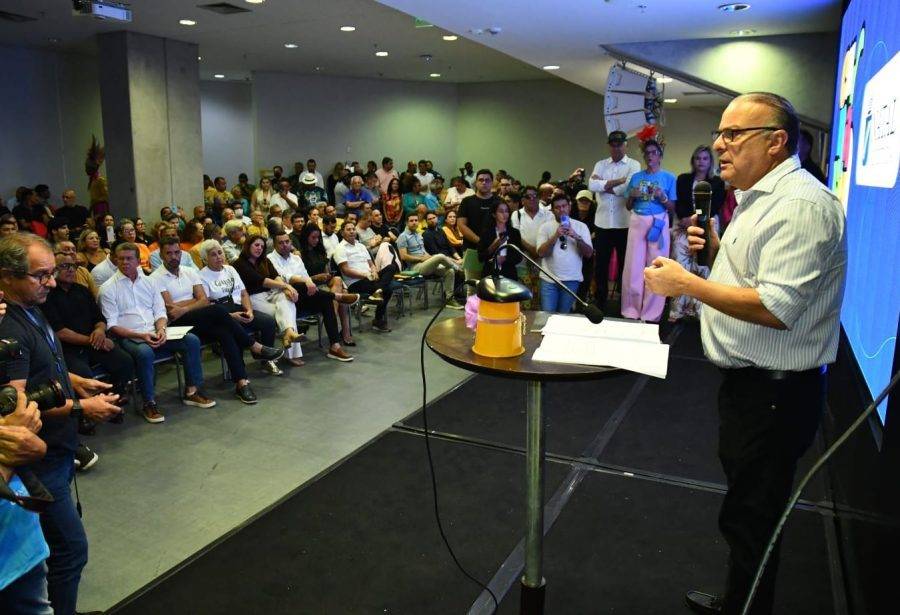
592, 312
702, 205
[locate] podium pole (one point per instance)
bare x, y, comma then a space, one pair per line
533, 583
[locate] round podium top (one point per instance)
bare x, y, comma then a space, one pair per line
452, 341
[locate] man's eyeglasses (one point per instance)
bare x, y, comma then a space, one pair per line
42, 277
728, 134
66, 267
530, 196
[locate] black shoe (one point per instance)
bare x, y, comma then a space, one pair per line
86, 427
268, 353
380, 326
85, 458
706, 604
246, 394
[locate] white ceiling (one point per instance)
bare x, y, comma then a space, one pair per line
235, 45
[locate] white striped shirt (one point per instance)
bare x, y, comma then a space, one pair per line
786, 240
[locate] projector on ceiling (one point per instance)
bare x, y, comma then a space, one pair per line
114, 11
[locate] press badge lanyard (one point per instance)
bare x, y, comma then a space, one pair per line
48, 337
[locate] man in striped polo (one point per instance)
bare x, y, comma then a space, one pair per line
774, 298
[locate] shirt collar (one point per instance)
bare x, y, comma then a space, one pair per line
770, 180
625, 160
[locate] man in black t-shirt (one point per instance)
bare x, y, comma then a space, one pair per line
75, 215
473, 218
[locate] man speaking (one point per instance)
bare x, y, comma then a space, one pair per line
773, 306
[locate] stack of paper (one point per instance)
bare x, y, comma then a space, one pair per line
633, 346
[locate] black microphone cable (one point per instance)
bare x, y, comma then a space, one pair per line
434, 487
796, 495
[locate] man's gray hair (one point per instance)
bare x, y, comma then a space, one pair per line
231, 226
14, 251
205, 248
127, 246
783, 115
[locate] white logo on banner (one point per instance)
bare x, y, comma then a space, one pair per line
878, 148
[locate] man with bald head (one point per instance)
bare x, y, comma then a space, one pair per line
771, 324
74, 214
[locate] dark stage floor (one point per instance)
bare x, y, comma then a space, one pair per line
362, 538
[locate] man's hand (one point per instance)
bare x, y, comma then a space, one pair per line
292, 294
666, 277
697, 239
98, 339
241, 317
85, 387
108, 345
19, 446
25, 415
101, 408
311, 288
176, 312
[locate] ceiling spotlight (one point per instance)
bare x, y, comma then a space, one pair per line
187, 22
450, 37
747, 32
670, 101
199, 58
551, 67
219, 76
254, 1
291, 45
664, 80
734, 7
348, 28
435, 75
381, 54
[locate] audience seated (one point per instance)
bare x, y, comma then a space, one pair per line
310, 193
82, 275
258, 224
136, 315
414, 256
330, 238
361, 276
90, 254
262, 195
75, 215
234, 239
169, 232
284, 198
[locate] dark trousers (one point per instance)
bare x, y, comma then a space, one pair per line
765, 427
65, 536
116, 362
587, 275
214, 323
322, 302
27, 595
605, 240
367, 287
262, 324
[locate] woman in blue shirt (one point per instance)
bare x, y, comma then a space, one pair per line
651, 195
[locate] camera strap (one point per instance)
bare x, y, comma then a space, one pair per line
39, 499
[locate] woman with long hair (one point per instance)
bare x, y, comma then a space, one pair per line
262, 195
393, 204
318, 265
337, 173
702, 164
499, 233
270, 294
453, 234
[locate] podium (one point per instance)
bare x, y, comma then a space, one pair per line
452, 341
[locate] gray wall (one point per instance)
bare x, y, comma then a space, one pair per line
800, 67
51, 106
226, 110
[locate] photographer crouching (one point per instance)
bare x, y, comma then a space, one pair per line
27, 269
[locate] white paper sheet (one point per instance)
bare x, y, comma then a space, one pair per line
176, 333
579, 325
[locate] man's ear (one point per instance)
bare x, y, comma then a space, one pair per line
778, 140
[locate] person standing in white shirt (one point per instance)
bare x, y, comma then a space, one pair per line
608, 182
311, 166
386, 173
563, 243
528, 220
424, 177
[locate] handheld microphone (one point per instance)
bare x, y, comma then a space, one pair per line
702, 205
563, 240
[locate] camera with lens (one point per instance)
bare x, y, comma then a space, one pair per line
47, 395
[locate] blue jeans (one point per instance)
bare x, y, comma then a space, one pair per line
554, 299
27, 595
144, 356
65, 536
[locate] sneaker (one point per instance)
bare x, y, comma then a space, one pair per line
151, 414
86, 426
339, 355
380, 326
199, 400
377, 296
453, 304
85, 458
271, 367
267, 353
246, 394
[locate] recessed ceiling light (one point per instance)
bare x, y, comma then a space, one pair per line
435, 75
551, 67
348, 28
450, 37
254, 1
199, 58
670, 100
219, 76
291, 45
747, 32
187, 22
663, 80
734, 7
381, 54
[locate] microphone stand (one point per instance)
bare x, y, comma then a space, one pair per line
593, 313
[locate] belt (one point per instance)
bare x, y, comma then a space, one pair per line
777, 375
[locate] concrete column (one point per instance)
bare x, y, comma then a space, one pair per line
150, 96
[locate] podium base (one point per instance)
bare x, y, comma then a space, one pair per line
531, 600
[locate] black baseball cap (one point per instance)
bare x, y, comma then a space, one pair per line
617, 136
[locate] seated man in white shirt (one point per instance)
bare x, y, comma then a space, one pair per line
170, 231
562, 244
413, 254
104, 270
284, 198
360, 275
311, 299
456, 193
187, 305
330, 238
136, 316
